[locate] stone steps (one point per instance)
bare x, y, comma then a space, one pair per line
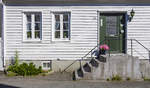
106, 66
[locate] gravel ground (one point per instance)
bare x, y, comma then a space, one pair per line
57, 81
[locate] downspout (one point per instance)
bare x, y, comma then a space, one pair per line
3, 33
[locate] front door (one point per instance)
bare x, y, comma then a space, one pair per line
112, 31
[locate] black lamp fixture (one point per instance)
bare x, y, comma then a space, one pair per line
132, 13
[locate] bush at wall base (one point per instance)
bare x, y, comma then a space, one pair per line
25, 69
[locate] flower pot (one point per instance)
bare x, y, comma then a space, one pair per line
102, 52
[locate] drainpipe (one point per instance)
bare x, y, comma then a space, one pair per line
3, 33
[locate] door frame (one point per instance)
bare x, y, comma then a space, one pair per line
126, 21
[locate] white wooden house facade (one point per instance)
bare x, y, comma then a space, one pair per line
52, 30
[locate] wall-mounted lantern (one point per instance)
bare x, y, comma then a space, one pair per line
132, 13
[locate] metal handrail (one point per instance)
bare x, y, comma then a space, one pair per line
109, 51
142, 45
83, 56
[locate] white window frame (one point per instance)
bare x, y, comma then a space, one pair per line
32, 26
46, 68
61, 27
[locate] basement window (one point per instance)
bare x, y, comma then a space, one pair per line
46, 65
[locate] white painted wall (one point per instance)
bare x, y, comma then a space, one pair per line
84, 30
1, 61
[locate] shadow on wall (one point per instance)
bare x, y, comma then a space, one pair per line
7, 86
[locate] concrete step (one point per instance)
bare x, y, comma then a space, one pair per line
94, 63
76, 76
102, 58
80, 72
87, 68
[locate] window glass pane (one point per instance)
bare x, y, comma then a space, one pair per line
57, 26
28, 17
29, 34
48, 65
28, 26
44, 65
57, 18
111, 27
37, 17
37, 26
65, 17
57, 34
65, 34
65, 26
37, 34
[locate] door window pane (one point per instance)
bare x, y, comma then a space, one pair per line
111, 25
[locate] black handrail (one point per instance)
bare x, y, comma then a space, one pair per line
109, 51
83, 56
142, 45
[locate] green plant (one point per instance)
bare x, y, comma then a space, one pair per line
116, 78
108, 79
146, 79
16, 59
25, 69
11, 74
128, 78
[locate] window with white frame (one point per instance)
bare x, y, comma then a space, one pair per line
61, 26
46, 65
32, 25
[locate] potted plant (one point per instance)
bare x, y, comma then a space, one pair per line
103, 49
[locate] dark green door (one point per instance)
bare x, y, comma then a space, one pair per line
112, 31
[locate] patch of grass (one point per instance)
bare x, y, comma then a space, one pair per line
43, 74
128, 78
11, 74
116, 78
46, 71
146, 79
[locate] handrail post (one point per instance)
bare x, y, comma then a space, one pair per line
149, 55
91, 53
131, 47
80, 63
109, 46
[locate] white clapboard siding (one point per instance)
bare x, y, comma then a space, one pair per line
84, 32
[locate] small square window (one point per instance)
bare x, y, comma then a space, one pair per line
46, 65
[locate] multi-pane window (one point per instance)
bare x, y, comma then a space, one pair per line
32, 25
61, 25
46, 65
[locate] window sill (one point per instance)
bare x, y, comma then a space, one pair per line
61, 40
32, 40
